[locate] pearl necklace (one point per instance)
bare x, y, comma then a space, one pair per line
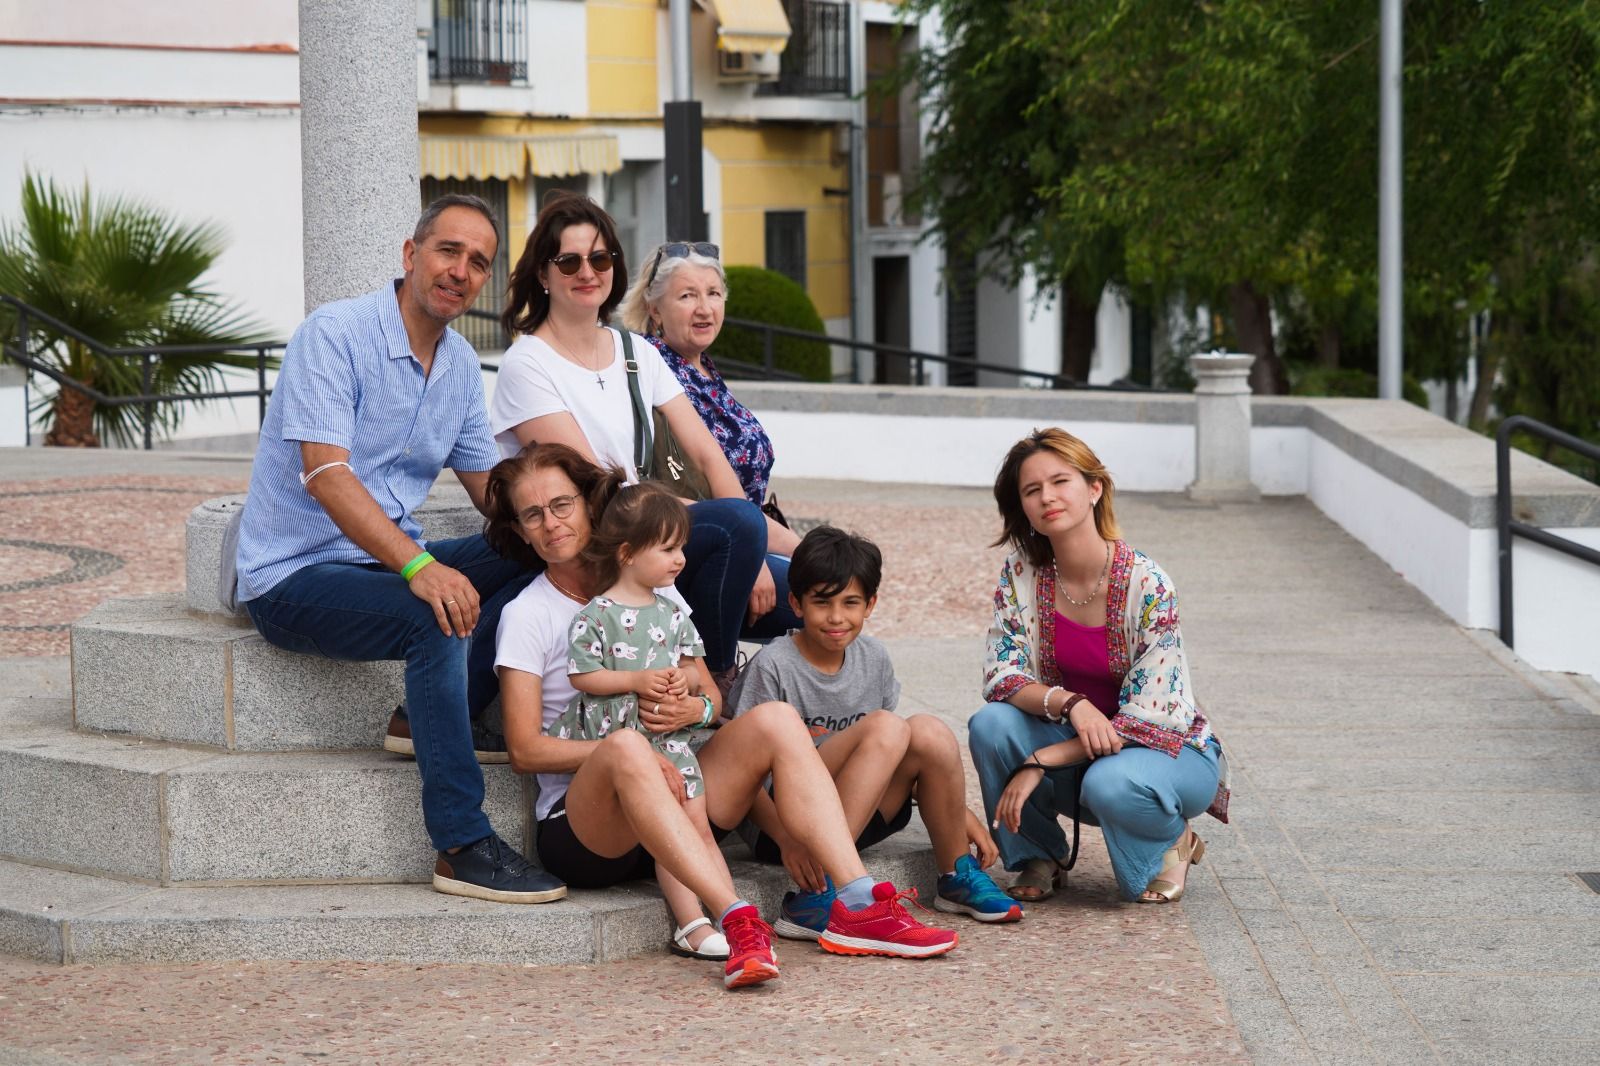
1061, 586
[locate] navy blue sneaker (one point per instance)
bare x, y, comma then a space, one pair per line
805, 914
970, 891
491, 869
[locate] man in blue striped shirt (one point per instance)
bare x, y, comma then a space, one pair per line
376, 396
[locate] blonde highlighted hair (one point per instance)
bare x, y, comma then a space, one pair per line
1015, 529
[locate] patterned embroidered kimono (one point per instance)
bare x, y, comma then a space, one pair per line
1143, 646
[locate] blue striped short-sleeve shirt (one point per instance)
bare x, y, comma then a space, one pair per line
349, 379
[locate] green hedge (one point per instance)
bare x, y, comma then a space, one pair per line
1348, 381
766, 296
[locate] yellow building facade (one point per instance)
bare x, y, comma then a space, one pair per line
570, 95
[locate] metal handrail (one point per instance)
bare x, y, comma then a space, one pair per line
29, 317
1508, 527
1055, 381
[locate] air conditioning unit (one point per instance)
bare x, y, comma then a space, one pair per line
747, 66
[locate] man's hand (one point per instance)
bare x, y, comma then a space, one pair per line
671, 714
451, 595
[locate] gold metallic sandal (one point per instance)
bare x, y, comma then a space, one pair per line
1189, 849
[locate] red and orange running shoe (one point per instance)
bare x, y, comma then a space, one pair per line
751, 959
885, 928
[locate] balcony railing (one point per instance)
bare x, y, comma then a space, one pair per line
481, 42
817, 59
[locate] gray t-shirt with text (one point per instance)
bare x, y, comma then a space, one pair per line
827, 702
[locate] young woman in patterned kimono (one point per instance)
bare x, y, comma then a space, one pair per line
1085, 669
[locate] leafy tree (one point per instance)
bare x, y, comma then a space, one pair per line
128, 275
1229, 152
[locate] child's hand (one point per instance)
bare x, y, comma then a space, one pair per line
981, 842
679, 684
655, 685
805, 870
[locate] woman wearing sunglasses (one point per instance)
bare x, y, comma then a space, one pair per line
563, 381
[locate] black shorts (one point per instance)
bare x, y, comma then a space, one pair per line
564, 855
878, 829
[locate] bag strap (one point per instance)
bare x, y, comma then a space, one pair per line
642, 434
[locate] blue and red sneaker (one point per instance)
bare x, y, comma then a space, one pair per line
970, 891
804, 915
885, 928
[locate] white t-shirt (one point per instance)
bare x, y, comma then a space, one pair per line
533, 636
535, 380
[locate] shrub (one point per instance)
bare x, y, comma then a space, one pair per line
1348, 381
766, 296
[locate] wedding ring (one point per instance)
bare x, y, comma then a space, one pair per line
658, 708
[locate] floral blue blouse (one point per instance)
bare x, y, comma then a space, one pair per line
736, 429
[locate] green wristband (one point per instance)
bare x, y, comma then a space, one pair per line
409, 570
711, 710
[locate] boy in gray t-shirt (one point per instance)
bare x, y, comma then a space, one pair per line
842, 683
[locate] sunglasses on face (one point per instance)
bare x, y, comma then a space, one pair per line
681, 250
569, 263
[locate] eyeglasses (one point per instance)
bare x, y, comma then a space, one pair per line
569, 263
561, 507
681, 250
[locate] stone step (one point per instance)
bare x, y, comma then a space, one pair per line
58, 916
152, 667
170, 814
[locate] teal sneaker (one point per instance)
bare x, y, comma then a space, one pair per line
970, 891
804, 915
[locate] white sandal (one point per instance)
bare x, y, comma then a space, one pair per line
713, 948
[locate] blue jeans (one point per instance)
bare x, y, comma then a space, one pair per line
727, 545
1140, 798
366, 613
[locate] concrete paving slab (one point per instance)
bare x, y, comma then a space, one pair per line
1526, 1048
1436, 772
1427, 810
1541, 1007
1449, 945
1509, 848
1460, 894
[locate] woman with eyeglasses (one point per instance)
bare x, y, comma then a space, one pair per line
564, 381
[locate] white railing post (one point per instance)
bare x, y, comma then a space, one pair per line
1222, 428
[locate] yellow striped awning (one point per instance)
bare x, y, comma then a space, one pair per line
589, 153
751, 25
474, 158
504, 158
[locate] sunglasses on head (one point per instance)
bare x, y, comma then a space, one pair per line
569, 263
681, 250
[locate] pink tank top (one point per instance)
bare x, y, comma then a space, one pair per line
1085, 667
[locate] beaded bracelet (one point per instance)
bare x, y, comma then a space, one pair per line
1047, 694
409, 570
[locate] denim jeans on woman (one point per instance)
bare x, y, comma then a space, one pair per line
366, 613
1140, 798
727, 545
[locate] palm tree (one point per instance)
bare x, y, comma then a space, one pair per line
127, 274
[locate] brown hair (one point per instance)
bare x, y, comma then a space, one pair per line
1015, 529
596, 487
638, 516
527, 303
